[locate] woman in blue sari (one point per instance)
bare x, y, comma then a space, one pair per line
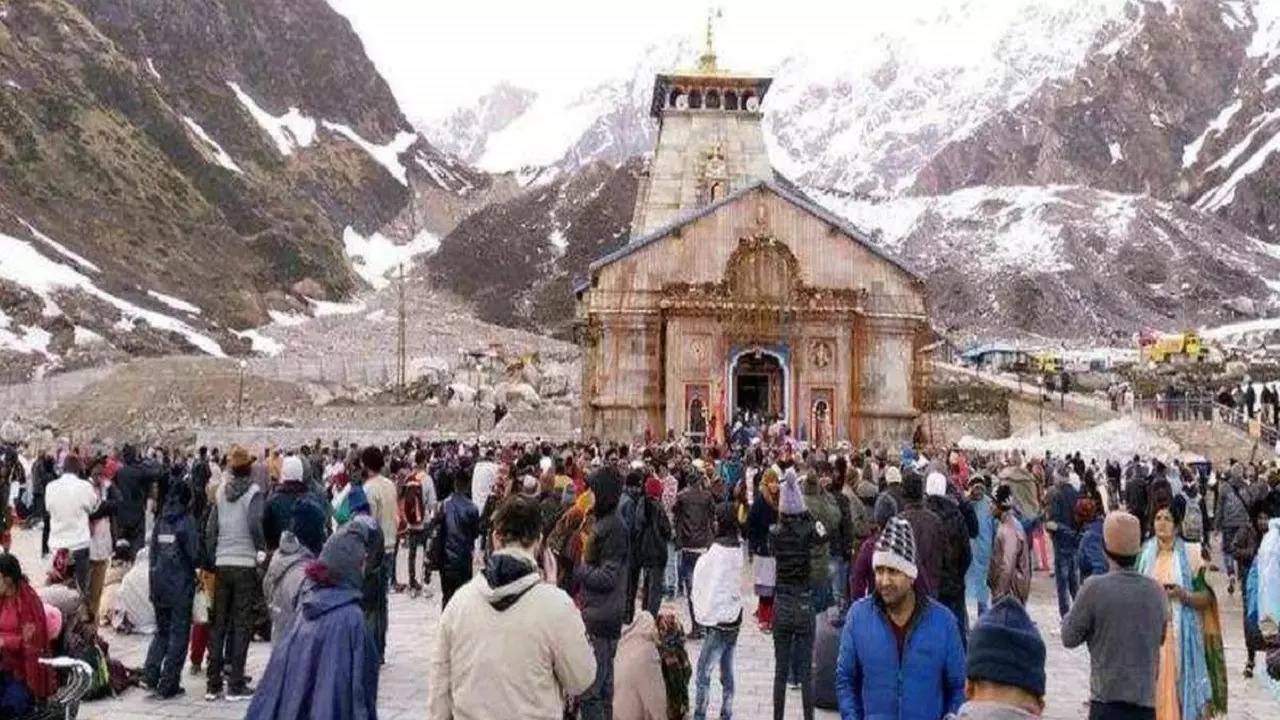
975, 580
1183, 689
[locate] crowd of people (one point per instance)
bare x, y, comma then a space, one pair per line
598, 564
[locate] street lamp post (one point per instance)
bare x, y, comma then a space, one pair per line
240, 392
1043, 399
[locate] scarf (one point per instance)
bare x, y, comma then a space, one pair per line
25, 662
1194, 689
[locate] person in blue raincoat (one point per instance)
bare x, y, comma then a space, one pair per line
326, 665
975, 579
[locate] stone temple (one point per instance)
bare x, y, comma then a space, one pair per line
736, 293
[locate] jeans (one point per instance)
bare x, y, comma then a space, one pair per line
792, 647
651, 595
450, 581
597, 702
1066, 573
670, 578
1120, 711
688, 559
717, 648
232, 629
376, 617
168, 650
839, 580
633, 587
1228, 561
417, 539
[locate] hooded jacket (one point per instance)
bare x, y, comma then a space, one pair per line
956, 551
326, 665
279, 510
824, 509
639, 691
472, 678
174, 554
792, 542
233, 533
602, 575
135, 480
282, 584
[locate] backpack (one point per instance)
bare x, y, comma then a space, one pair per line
652, 542
1193, 523
415, 508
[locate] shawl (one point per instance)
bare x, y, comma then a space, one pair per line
25, 663
1194, 689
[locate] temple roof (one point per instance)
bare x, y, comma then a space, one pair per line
779, 186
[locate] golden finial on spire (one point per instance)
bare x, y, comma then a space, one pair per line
707, 63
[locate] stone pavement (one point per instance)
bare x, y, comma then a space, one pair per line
402, 691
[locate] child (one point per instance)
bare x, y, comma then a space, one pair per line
716, 594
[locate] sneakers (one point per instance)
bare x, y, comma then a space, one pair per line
178, 692
244, 693
213, 695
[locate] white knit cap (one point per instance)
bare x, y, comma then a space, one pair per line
291, 469
935, 484
892, 475
896, 548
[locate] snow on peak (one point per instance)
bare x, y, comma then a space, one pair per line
219, 155
290, 131
376, 256
1191, 152
151, 68
388, 156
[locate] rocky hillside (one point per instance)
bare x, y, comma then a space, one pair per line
175, 170
516, 260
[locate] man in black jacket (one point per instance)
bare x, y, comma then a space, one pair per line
694, 513
602, 578
135, 479
174, 558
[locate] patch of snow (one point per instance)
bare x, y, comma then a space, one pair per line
388, 156
84, 336
1272, 83
60, 248
12, 84
262, 344
324, 308
376, 316
1234, 14
219, 154
374, 257
290, 131
23, 265
28, 339
1266, 38
1155, 120
151, 68
558, 240
175, 303
1113, 440
1225, 193
287, 319
1191, 152
1117, 155
1235, 330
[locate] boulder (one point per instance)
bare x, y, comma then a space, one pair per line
462, 394
1242, 305
522, 395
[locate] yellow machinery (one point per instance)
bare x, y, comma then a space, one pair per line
1047, 362
1180, 347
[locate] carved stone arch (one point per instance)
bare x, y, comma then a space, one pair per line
762, 268
730, 100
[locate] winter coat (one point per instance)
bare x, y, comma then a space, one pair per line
841, 545
283, 582
956, 553
472, 678
1010, 570
824, 509
1233, 504
232, 489
694, 514
174, 557
792, 541
69, 501
461, 527
1061, 510
763, 516
862, 575
135, 480
639, 691
975, 581
930, 536
602, 575
199, 480
716, 589
1091, 557
874, 683
653, 533
326, 665
278, 513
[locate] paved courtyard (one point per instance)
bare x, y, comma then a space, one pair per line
402, 692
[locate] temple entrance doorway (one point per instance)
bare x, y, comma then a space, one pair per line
759, 384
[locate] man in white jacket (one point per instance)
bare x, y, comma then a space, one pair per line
508, 611
716, 595
70, 500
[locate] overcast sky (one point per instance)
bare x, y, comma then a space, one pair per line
438, 54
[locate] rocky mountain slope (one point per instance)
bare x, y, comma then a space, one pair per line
1108, 162
175, 170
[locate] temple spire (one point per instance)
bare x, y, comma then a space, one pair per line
707, 63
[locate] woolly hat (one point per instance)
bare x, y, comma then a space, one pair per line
935, 484
892, 475
791, 501
344, 556
307, 524
239, 458
896, 548
1122, 534
291, 469
653, 488
1005, 648
886, 507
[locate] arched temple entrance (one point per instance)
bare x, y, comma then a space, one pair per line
759, 383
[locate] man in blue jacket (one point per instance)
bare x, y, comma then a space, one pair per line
900, 653
173, 558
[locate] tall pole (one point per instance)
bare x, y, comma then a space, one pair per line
240, 393
401, 360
